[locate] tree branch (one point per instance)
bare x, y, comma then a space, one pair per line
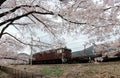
27, 43
23, 24
26, 14
2, 1
70, 20
18, 7
17, 29
43, 24
4, 28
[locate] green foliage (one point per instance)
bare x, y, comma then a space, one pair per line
52, 72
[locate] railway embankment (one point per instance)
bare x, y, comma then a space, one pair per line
81, 70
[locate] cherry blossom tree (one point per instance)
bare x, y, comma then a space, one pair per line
98, 19
9, 47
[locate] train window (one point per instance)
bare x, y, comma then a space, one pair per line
59, 51
63, 50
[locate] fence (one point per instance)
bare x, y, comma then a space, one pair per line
17, 73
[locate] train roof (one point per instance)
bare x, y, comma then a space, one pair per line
47, 51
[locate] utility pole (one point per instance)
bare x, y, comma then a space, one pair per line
84, 49
62, 59
31, 47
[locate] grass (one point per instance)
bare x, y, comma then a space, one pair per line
2, 75
90, 71
51, 72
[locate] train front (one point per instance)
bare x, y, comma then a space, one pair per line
64, 54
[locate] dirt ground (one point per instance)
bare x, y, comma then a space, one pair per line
88, 70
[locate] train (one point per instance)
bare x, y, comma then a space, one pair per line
65, 55
60, 55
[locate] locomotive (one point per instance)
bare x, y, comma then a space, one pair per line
60, 55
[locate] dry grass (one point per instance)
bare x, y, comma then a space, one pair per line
4, 75
101, 70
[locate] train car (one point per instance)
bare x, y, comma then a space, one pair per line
85, 56
60, 55
111, 56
